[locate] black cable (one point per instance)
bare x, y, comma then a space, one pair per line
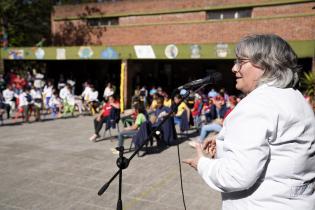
179, 160
181, 177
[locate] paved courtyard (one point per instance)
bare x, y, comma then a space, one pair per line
53, 165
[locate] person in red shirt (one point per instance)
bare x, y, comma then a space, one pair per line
104, 116
19, 82
196, 110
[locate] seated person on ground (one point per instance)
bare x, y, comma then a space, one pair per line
132, 130
180, 110
68, 102
167, 100
196, 110
153, 105
158, 116
93, 102
55, 105
104, 116
216, 125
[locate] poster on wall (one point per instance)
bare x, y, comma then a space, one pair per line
171, 51
109, 53
60, 53
222, 50
195, 51
85, 52
144, 51
39, 53
16, 54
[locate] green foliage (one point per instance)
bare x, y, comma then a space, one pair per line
308, 82
26, 22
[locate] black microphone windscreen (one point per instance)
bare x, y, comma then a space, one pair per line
216, 77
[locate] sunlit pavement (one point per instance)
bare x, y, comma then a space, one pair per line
53, 165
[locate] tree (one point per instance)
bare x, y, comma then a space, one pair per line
25, 22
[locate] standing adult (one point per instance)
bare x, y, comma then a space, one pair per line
266, 148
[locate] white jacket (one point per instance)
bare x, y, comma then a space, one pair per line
268, 157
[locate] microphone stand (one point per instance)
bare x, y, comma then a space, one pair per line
122, 162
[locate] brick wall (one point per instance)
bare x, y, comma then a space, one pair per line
298, 28
137, 29
149, 6
302, 8
178, 17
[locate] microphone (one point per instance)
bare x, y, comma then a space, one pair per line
211, 79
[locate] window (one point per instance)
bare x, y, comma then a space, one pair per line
103, 21
229, 14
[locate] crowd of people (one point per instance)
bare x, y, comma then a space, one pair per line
204, 111
32, 97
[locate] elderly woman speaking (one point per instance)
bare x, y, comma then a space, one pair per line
265, 152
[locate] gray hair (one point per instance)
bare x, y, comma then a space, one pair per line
274, 56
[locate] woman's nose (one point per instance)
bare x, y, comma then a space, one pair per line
234, 69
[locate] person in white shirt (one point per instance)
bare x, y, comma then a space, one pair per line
25, 101
85, 95
9, 99
93, 102
109, 91
265, 152
48, 92
68, 101
63, 92
38, 82
36, 94
62, 95
55, 105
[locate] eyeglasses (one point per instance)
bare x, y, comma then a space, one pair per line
239, 62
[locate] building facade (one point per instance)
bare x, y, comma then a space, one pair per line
168, 42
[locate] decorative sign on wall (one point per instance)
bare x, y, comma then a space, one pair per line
60, 53
144, 51
16, 54
39, 53
171, 51
109, 53
222, 50
85, 52
195, 51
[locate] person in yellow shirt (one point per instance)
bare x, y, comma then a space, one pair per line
167, 100
180, 109
153, 105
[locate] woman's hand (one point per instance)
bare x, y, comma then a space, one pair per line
209, 146
193, 162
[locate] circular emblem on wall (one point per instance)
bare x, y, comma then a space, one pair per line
171, 51
195, 51
222, 50
85, 52
39, 53
109, 53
